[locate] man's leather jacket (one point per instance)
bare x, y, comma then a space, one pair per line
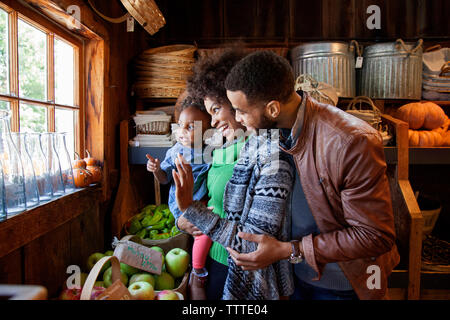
341, 164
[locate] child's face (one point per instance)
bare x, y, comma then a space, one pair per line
186, 125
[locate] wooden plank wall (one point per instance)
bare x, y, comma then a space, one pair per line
298, 20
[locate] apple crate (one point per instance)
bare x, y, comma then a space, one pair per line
182, 241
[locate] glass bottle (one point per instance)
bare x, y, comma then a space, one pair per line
31, 189
41, 169
65, 161
3, 212
12, 168
53, 166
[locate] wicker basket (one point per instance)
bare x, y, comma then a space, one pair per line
371, 116
155, 122
162, 72
147, 13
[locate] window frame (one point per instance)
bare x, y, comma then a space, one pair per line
18, 11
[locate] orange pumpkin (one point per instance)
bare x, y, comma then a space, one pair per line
425, 138
78, 163
446, 139
418, 115
82, 177
93, 168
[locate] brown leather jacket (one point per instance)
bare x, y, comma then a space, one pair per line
341, 165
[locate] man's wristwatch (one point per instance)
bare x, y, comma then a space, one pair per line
296, 255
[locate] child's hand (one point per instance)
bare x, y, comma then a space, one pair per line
152, 163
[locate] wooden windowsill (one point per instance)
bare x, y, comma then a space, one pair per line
23, 228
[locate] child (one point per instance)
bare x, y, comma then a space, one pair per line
192, 110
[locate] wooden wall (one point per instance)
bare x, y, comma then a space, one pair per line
290, 21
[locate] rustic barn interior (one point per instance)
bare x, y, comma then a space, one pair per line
37, 246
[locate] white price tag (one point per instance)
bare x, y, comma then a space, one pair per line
130, 24
359, 62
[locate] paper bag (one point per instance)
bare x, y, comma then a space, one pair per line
139, 256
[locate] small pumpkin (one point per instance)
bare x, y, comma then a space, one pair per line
93, 168
425, 138
427, 115
78, 163
82, 177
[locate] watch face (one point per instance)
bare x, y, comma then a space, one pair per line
295, 260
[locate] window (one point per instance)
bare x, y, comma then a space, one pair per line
39, 77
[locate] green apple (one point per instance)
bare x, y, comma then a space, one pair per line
107, 277
129, 270
109, 253
147, 277
160, 250
99, 284
164, 281
141, 290
167, 295
177, 262
92, 260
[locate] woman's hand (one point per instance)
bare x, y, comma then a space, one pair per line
184, 183
185, 225
269, 250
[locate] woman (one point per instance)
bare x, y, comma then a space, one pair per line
253, 201
222, 114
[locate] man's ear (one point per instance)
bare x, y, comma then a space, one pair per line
273, 109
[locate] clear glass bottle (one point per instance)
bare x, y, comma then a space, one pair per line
31, 189
65, 161
12, 168
40, 166
53, 165
3, 212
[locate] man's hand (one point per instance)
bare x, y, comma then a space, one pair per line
184, 183
269, 250
185, 225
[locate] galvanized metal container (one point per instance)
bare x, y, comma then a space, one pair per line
392, 70
329, 62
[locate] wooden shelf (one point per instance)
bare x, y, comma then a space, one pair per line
429, 155
136, 155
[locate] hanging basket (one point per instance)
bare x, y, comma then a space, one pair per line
147, 13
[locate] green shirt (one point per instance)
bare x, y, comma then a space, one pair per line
218, 175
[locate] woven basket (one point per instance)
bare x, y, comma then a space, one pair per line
162, 72
371, 116
147, 13
155, 123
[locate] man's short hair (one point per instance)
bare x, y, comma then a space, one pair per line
262, 76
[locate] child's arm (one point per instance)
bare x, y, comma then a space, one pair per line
153, 165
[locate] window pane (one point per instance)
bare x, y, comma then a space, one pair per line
64, 73
4, 52
32, 62
33, 118
4, 105
65, 122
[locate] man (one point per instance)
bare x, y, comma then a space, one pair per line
342, 219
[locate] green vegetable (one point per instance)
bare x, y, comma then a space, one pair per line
174, 231
157, 226
151, 220
135, 226
142, 233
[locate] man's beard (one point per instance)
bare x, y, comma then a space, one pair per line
266, 123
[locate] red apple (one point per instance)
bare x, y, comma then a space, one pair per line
70, 294
96, 291
167, 295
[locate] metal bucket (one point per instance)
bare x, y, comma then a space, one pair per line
329, 62
392, 70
